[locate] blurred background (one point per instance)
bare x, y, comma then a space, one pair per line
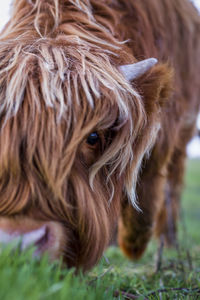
193, 148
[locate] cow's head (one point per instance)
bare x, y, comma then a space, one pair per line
73, 132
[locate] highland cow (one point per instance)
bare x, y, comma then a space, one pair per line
98, 101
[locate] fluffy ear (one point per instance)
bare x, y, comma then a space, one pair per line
155, 87
135, 227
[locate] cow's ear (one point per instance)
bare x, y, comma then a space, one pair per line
155, 86
152, 80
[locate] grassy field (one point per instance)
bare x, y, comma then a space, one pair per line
115, 277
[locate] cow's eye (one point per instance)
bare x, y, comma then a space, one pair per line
93, 139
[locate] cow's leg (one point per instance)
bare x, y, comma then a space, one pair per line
136, 227
167, 217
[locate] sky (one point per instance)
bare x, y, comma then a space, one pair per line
4, 12
197, 3
193, 148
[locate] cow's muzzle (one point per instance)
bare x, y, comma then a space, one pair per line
24, 233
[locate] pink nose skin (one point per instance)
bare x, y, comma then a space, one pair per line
39, 237
46, 237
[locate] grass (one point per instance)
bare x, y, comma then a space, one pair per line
22, 277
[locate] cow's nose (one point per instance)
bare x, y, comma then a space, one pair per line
24, 232
38, 237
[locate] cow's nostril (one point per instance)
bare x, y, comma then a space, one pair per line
38, 237
44, 239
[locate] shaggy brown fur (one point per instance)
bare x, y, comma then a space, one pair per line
59, 81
